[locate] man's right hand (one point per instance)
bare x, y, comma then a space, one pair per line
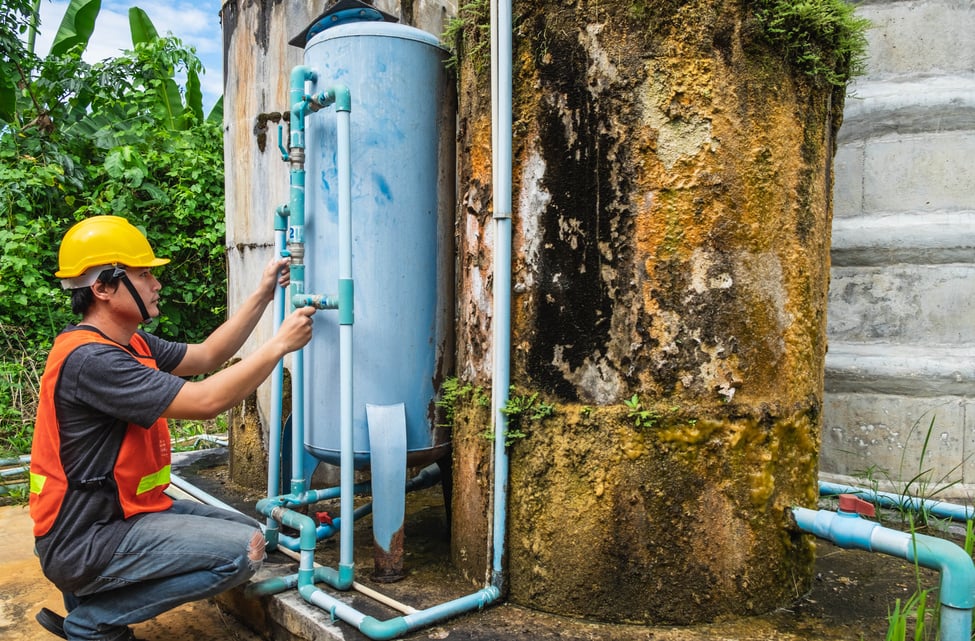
295, 331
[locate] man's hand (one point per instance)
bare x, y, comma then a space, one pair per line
276, 274
295, 331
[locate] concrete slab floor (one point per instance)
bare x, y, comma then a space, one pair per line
851, 595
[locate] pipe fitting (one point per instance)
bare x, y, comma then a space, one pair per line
383, 630
957, 586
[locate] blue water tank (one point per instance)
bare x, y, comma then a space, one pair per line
402, 167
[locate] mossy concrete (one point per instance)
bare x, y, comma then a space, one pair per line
671, 233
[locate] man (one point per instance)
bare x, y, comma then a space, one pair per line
106, 534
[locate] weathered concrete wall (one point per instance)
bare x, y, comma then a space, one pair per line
901, 357
673, 199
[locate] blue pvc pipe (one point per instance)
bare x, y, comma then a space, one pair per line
271, 530
957, 588
301, 77
346, 318
301, 101
902, 501
501, 135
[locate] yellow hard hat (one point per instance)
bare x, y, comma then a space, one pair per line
102, 241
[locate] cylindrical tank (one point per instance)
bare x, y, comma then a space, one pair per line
402, 140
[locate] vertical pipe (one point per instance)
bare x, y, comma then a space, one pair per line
301, 76
277, 385
346, 319
501, 377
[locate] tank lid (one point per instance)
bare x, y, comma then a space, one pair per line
340, 12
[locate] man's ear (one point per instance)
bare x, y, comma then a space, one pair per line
101, 290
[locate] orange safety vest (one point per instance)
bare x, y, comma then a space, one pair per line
142, 467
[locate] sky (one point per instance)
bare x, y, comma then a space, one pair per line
196, 23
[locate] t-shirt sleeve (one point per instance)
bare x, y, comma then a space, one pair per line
168, 355
112, 381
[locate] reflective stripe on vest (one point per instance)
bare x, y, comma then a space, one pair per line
154, 480
37, 482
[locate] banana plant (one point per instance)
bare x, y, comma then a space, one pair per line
174, 109
170, 108
77, 25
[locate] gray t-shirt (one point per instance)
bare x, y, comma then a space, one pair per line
101, 389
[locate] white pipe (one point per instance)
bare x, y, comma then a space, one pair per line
346, 441
501, 169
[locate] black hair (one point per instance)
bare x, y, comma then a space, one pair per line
82, 298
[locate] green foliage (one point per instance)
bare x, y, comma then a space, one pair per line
453, 392
15, 20
19, 385
914, 608
823, 38
190, 435
469, 34
77, 25
641, 417
527, 407
116, 137
521, 410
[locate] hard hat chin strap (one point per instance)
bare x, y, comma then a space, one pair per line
121, 274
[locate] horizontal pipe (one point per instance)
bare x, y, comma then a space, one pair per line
400, 625
901, 501
199, 494
957, 587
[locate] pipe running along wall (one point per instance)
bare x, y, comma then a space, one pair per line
501, 135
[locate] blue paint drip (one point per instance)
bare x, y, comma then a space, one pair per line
382, 187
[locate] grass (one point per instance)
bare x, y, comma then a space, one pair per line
920, 484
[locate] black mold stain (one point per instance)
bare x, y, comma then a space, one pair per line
575, 305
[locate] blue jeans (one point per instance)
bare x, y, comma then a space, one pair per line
189, 552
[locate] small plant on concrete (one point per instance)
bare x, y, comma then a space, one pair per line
452, 392
641, 417
469, 34
521, 410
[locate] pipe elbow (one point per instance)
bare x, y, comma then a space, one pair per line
266, 505
956, 568
345, 578
306, 590
381, 630
343, 99
300, 74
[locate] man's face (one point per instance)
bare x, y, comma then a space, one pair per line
147, 286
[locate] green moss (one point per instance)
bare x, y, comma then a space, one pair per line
469, 34
822, 38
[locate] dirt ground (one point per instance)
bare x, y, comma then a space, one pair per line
851, 595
